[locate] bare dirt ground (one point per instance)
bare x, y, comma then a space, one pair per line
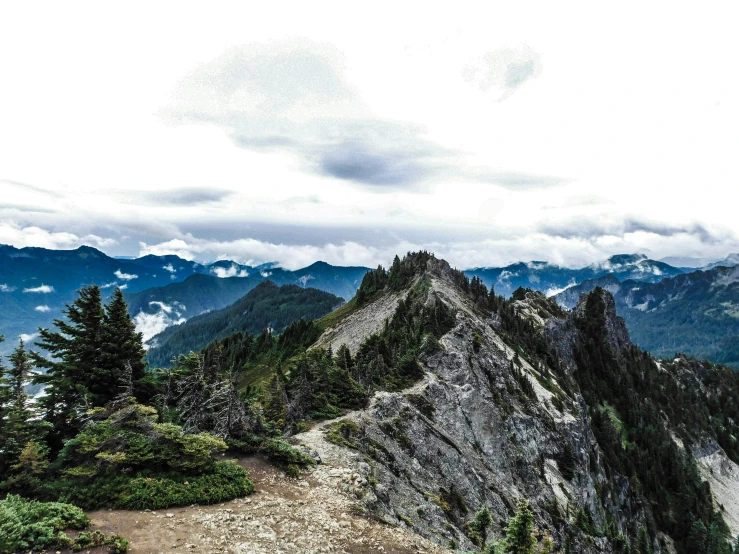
315, 514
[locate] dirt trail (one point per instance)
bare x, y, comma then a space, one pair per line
315, 514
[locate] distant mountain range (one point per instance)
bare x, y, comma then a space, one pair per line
157, 308
36, 284
695, 313
265, 306
552, 279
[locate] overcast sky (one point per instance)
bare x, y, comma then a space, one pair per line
488, 133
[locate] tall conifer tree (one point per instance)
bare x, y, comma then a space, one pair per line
75, 367
20, 427
519, 535
121, 345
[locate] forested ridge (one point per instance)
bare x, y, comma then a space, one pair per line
111, 432
267, 306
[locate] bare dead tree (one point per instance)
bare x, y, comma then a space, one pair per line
194, 395
126, 386
230, 418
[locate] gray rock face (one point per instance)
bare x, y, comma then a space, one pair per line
483, 429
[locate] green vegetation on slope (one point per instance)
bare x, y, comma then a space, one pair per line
89, 440
266, 306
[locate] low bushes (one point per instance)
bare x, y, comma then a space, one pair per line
286, 456
30, 525
127, 460
155, 491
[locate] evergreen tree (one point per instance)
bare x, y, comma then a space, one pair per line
5, 401
519, 535
698, 537
5, 392
75, 368
121, 345
20, 427
19, 375
642, 542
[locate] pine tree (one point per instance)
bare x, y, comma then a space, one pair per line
5, 401
643, 545
121, 345
19, 375
519, 535
698, 537
75, 366
20, 426
477, 529
5, 392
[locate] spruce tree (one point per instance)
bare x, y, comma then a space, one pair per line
75, 366
698, 537
20, 426
5, 401
519, 535
642, 542
19, 375
5, 394
121, 346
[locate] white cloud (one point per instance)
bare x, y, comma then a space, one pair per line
289, 256
27, 338
125, 276
555, 291
162, 306
32, 235
665, 104
6, 288
231, 271
43, 309
109, 285
505, 70
150, 325
44, 289
170, 268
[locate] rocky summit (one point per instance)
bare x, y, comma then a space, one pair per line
508, 408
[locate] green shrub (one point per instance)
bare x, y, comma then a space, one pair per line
341, 433
284, 454
246, 444
126, 460
31, 525
154, 491
228, 481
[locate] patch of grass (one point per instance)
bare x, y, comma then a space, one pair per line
396, 429
31, 525
337, 316
618, 425
342, 432
408, 521
422, 404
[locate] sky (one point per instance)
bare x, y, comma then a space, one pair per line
487, 133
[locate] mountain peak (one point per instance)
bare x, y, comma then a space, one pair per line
627, 259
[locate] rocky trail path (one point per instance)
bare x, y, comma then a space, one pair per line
315, 514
